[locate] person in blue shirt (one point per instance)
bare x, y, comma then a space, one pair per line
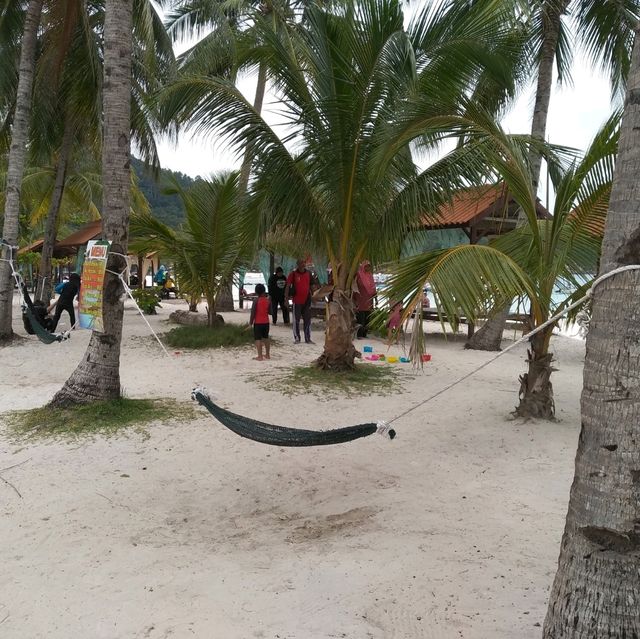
65, 302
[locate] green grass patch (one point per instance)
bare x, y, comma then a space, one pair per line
205, 337
104, 418
304, 380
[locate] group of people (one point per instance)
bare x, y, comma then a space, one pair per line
165, 281
299, 286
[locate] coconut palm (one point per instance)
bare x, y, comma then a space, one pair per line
604, 30
533, 260
596, 588
17, 155
216, 240
68, 94
343, 78
97, 376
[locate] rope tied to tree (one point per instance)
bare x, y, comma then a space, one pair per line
524, 338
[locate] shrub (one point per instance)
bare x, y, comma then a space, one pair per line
147, 299
209, 337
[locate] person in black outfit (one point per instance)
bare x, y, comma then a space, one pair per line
276, 286
65, 301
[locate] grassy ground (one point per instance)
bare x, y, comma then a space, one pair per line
363, 380
205, 337
99, 418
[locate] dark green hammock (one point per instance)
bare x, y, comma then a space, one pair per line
38, 329
282, 436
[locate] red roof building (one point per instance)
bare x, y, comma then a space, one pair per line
480, 212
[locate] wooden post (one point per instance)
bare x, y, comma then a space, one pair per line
473, 239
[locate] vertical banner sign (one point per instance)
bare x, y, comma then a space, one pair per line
95, 264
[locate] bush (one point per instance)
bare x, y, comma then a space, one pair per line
209, 337
147, 299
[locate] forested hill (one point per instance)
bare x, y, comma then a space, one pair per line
166, 208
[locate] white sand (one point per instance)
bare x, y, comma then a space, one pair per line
452, 530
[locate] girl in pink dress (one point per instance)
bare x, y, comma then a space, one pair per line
394, 325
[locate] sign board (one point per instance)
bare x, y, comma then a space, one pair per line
91, 288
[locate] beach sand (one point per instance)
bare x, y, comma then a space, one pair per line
450, 531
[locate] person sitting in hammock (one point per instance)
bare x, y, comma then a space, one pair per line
40, 315
65, 302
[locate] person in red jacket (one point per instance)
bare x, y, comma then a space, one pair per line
299, 287
260, 321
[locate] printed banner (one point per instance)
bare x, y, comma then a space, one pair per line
95, 264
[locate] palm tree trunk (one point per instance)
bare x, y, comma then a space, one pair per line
597, 586
44, 287
536, 391
17, 156
489, 337
339, 352
98, 374
553, 11
258, 101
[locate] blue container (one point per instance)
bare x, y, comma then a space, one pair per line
368, 349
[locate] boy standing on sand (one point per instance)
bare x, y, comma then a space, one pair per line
260, 321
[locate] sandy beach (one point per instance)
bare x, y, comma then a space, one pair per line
450, 531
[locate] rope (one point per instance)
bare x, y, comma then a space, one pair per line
527, 337
133, 299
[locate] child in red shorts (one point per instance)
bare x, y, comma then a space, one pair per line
260, 321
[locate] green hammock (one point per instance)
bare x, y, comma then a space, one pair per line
282, 436
38, 329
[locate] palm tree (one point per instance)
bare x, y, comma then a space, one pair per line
216, 241
532, 260
596, 589
68, 94
17, 154
344, 79
97, 376
605, 31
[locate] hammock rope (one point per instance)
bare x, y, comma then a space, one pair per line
282, 436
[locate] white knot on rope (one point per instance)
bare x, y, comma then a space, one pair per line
383, 428
201, 390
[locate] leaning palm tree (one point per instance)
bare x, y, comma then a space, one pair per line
17, 155
604, 30
533, 260
343, 79
596, 589
216, 240
97, 376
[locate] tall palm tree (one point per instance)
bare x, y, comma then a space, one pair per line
596, 588
217, 238
345, 77
604, 30
69, 89
17, 155
97, 376
533, 260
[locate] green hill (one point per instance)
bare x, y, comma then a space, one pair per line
166, 208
